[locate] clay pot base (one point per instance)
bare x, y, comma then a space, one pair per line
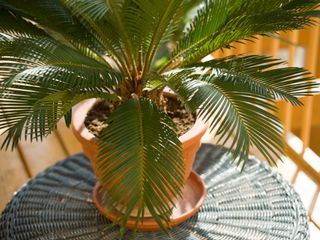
194, 194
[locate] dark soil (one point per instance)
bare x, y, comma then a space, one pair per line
183, 119
101, 111
96, 117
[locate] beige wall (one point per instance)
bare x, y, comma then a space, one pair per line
298, 113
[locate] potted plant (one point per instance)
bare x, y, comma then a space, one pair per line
55, 54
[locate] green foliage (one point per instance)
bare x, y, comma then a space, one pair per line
54, 54
134, 156
36, 67
56, 19
237, 110
221, 22
263, 75
239, 93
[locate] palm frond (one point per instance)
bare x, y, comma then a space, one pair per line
161, 27
222, 22
21, 55
234, 109
184, 16
176, 82
206, 23
134, 28
34, 100
236, 95
97, 17
134, 157
13, 24
31, 70
96, 9
34, 111
265, 76
57, 21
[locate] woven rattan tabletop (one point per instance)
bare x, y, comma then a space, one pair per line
257, 204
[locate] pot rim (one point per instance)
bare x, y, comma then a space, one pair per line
81, 131
148, 226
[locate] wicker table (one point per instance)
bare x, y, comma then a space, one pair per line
257, 204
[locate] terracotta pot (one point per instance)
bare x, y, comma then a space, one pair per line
194, 193
190, 140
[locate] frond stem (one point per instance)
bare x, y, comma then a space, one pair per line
155, 40
129, 56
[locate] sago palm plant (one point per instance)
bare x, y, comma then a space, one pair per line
56, 53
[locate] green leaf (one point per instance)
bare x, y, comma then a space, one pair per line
221, 22
136, 149
234, 109
68, 118
162, 26
263, 75
236, 96
56, 19
175, 81
96, 16
12, 24
34, 111
96, 9
24, 87
21, 57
